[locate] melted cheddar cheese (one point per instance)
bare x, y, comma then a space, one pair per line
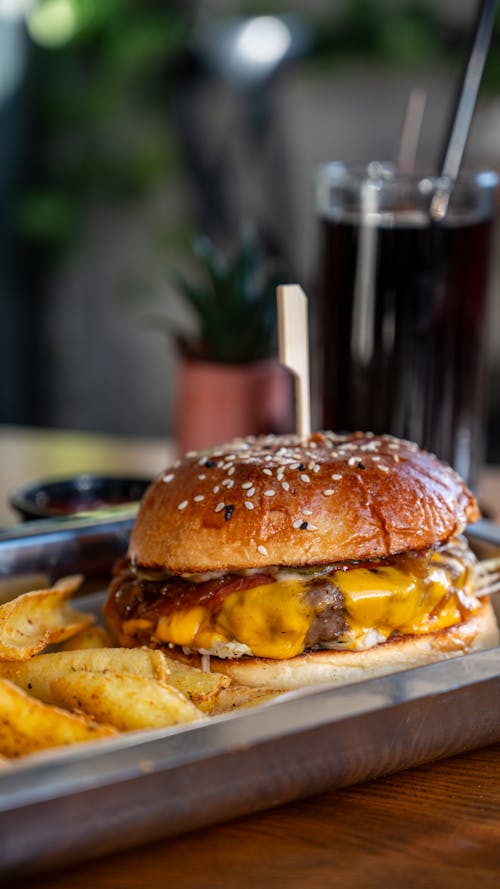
273, 620
388, 600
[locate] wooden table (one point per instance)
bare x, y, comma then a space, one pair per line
435, 826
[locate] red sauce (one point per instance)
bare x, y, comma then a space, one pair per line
72, 507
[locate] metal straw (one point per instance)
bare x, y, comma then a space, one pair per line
464, 107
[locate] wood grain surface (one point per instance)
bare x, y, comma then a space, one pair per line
435, 826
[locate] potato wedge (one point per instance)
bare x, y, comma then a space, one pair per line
27, 725
36, 675
126, 701
34, 620
238, 697
90, 637
201, 688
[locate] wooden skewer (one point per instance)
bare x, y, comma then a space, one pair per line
410, 132
294, 349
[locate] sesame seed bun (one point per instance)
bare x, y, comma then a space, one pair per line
275, 500
480, 631
221, 541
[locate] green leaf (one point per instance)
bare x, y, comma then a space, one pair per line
234, 302
46, 216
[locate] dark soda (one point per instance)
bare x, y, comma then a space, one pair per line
410, 360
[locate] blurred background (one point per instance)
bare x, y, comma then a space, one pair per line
137, 134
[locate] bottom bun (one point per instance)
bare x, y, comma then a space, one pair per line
313, 667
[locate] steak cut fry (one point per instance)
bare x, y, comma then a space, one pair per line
43, 617
27, 725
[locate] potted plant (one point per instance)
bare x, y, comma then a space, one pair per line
229, 381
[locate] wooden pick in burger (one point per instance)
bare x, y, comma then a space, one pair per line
294, 349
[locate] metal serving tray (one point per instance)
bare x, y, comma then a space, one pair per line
62, 806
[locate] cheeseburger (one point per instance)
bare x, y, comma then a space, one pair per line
283, 562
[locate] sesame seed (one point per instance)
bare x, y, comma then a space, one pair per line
312, 528
361, 465
202, 477
191, 454
303, 526
280, 473
311, 465
199, 498
182, 505
307, 511
336, 477
210, 463
352, 461
250, 492
395, 457
297, 523
383, 467
269, 493
301, 466
305, 478
230, 470
229, 511
262, 550
249, 504
285, 486
216, 489
328, 492
228, 482
267, 471
219, 507
169, 477
246, 485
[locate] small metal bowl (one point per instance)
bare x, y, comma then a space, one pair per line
85, 493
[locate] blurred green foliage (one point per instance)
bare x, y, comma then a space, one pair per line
408, 33
100, 100
101, 94
233, 301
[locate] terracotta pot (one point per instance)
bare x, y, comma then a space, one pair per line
217, 402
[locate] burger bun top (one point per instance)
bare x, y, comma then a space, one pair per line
277, 500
